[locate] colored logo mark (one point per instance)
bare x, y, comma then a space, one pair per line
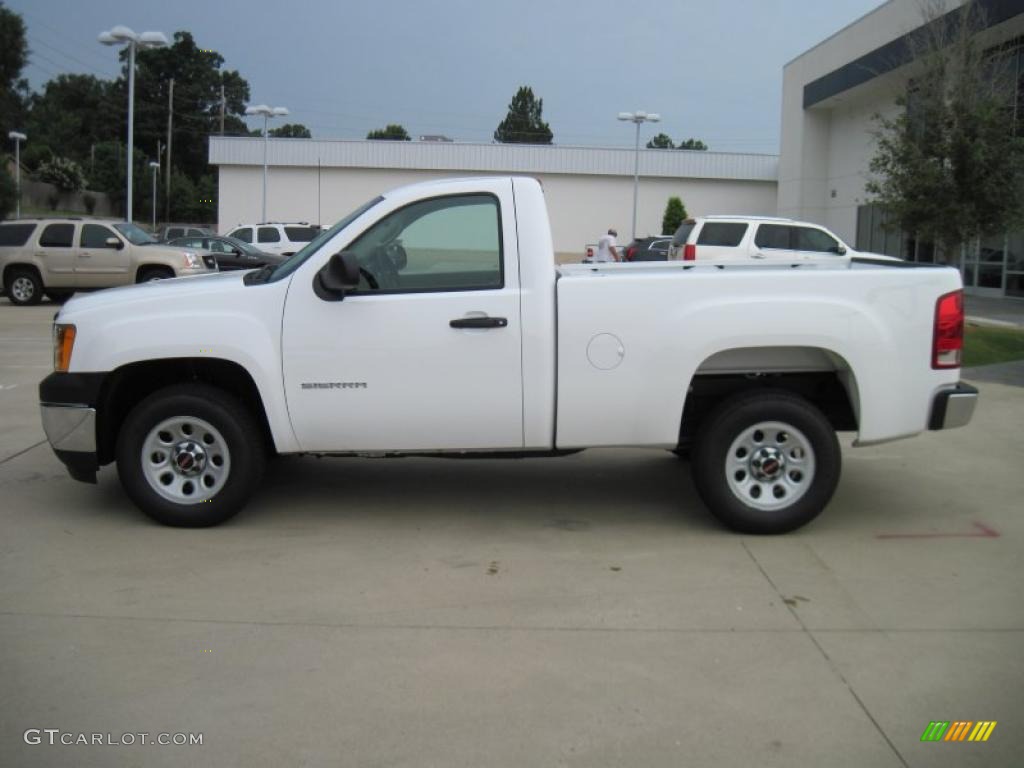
958, 730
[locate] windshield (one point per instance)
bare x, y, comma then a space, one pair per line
135, 235
288, 266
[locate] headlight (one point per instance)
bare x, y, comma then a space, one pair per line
192, 261
63, 343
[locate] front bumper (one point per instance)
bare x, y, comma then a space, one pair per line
68, 409
953, 407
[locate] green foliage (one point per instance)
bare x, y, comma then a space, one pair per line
695, 144
291, 131
661, 141
523, 123
949, 167
73, 113
90, 203
8, 192
33, 154
675, 214
108, 176
66, 175
391, 131
13, 57
985, 346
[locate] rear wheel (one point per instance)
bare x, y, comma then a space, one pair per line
190, 455
766, 462
59, 297
148, 274
24, 287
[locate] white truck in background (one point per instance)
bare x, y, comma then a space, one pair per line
433, 321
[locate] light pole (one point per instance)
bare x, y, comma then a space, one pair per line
120, 35
638, 118
267, 112
17, 138
155, 168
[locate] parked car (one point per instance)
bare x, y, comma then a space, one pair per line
58, 256
648, 249
275, 237
433, 320
170, 232
751, 238
229, 252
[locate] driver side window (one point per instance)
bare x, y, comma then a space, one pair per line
443, 244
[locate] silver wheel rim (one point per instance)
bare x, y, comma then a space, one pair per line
185, 460
23, 289
770, 465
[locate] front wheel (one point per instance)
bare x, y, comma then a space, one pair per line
190, 455
766, 462
24, 288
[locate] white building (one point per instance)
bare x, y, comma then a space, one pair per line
588, 189
829, 98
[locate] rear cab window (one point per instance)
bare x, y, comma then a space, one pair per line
724, 233
57, 236
15, 234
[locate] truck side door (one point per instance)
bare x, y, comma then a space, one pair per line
426, 353
99, 263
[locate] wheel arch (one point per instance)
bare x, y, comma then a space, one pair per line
821, 376
126, 386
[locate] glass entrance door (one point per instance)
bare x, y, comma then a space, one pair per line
983, 266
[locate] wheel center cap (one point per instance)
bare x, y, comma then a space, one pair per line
767, 463
189, 457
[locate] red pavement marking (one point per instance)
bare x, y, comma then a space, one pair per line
982, 532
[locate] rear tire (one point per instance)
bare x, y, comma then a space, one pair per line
766, 462
23, 287
59, 297
149, 274
190, 455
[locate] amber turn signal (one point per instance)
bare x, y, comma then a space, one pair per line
63, 343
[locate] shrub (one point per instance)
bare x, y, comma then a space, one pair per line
66, 175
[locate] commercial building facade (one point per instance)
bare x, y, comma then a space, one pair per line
831, 95
588, 189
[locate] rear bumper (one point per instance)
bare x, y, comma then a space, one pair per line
953, 407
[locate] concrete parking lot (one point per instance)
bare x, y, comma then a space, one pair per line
574, 611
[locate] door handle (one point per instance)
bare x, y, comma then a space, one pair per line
479, 322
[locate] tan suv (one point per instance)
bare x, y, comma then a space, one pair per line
59, 256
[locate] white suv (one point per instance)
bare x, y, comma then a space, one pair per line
276, 237
750, 238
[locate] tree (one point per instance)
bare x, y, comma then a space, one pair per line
696, 144
13, 57
675, 214
523, 123
8, 192
661, 141
291, 131
391, 131
73, 113
949, 166
66, 175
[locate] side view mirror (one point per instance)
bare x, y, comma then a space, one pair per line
113, 242
340, 273
838, 249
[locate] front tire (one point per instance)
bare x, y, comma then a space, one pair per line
149, 274
24, 288
766, 462
190, 455
59, 297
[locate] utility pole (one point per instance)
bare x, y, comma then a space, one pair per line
223, 105
170, 123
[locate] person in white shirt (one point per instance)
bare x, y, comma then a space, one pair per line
607, 248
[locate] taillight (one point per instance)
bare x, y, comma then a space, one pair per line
689, 252
630, 253
948, 338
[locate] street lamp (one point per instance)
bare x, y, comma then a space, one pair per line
638, 118
17, 138
267, 112
124, 36
155, 168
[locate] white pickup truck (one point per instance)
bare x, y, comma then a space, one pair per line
433, 321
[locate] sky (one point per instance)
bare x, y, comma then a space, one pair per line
711, 68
